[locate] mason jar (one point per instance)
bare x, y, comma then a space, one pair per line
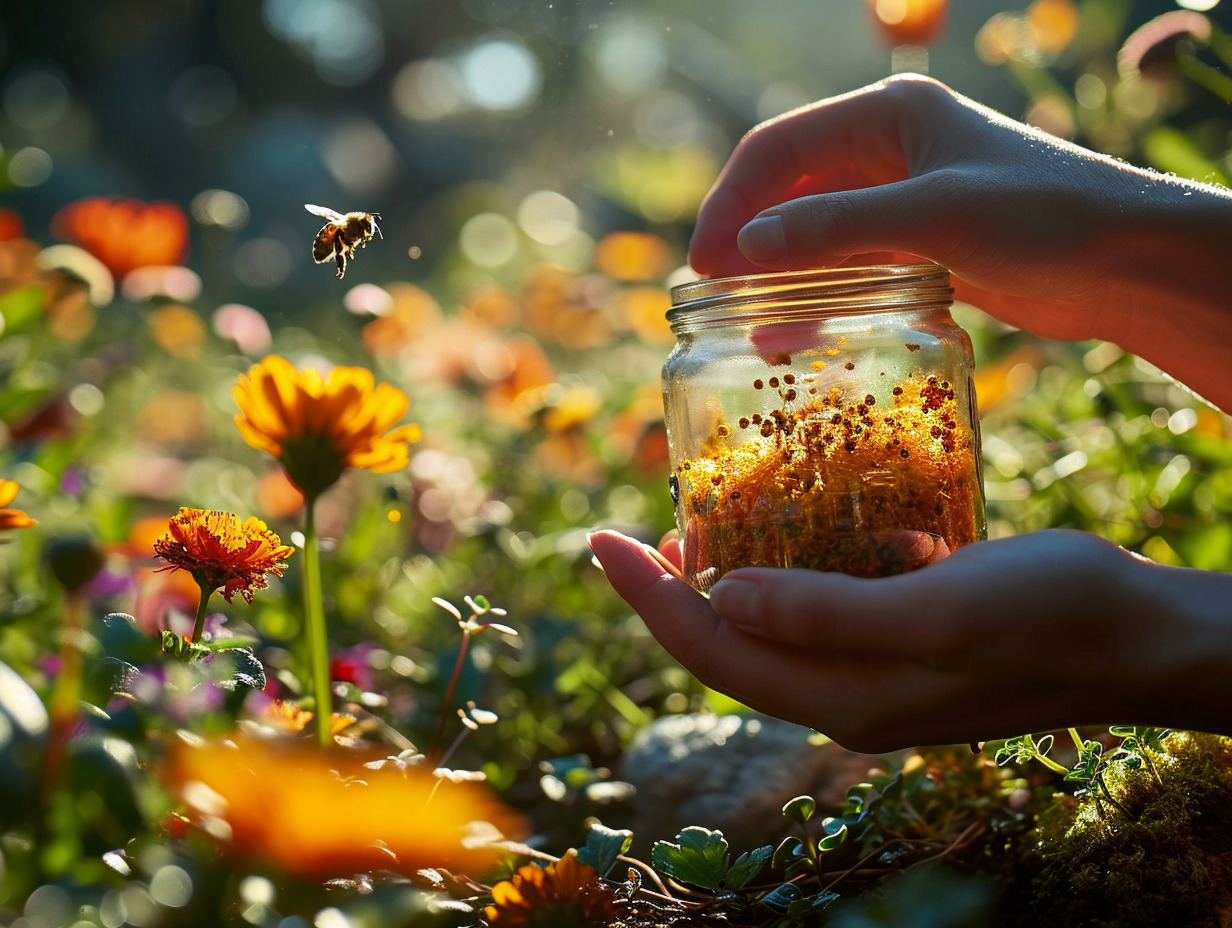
822, 419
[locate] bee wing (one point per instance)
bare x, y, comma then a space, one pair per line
325, 212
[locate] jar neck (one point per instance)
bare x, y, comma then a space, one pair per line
816, 293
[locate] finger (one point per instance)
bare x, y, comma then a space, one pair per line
847, 142
914, 216
670, 548
759, 673
826, 612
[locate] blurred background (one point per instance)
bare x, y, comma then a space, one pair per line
487, 133
537, 167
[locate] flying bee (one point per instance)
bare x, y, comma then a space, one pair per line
341, 235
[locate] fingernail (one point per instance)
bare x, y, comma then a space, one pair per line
736, 600
762, 239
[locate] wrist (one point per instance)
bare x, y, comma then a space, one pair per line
1184, 645
1170, 271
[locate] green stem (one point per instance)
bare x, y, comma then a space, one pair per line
453, 682
1077, 739
199, 625
314, 616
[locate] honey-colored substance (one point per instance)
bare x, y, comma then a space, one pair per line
834, 482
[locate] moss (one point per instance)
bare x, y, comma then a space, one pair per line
1166, 863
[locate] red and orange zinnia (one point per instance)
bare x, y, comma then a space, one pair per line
221, 551
319, 426
11, 518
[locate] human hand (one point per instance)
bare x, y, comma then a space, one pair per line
1034, 633
1041, 233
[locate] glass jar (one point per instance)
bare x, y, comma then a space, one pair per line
822, 419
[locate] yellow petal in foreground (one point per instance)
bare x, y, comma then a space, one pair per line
320, 813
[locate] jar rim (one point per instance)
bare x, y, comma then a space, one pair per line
839, 289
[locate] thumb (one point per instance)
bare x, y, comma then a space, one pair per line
820, 230
826, 611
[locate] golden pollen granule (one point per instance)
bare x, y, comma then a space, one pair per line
839, 482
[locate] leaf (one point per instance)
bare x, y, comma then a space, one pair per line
812, 904
234, 667
800, 809
782, 896
603, 846
700, 857
831, 841
789, 851
746, 867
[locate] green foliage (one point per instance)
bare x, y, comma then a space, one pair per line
603, 845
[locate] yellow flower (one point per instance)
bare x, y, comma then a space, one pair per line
332, 813
221, 551
11, 518
565, 894
319, 426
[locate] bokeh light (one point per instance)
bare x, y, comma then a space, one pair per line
37, 99
499, 73
221, 208
30, 167
427, 89
342, 38
488, 239
631, 55
360, 156
548, 217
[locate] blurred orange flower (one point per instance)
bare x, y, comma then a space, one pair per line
319, 426
178, 330
412, 314
644, 310
125, 234
565, 894
221, 551
633, 256
1054, 23
277, 496
11, 518
331, 813
908, 22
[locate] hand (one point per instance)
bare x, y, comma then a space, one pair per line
1027, 634
1039, 232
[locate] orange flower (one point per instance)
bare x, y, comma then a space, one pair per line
11, 518
125, 234
331, 813
319, 426
565, 894
221, 551
909, 22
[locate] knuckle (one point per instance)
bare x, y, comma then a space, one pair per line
832, 219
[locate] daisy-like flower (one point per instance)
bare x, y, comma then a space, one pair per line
565, 894
221, 551
11, 518
319, 426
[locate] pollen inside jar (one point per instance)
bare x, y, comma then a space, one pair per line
823, 420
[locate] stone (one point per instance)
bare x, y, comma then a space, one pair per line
732, 773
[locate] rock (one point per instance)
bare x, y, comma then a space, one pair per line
732, 773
